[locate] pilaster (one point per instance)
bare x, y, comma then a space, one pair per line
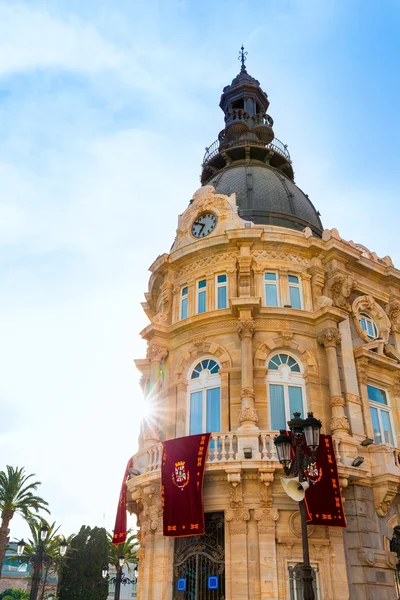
266, 519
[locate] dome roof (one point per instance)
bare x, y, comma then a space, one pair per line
265, 196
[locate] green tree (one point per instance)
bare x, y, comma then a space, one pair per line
14, 594
16, 496
80, 576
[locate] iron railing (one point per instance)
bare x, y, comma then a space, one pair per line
276, 145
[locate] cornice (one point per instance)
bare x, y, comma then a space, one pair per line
379, 360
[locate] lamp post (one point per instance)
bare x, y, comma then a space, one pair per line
38, 558
304, 431
120, 577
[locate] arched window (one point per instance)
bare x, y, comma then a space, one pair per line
286, 391
205, 397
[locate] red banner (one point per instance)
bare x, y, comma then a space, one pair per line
323, 499
120, 526
182, 473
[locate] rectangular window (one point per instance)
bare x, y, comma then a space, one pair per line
196, 413
184, 303
271, 289
284, 400
222, 295
294, 291
380, 416
213, 410
296, 583
201, 296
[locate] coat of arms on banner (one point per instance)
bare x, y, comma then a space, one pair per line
180, 477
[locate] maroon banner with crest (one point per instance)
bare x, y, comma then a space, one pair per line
119, 536
182, 473
323, 499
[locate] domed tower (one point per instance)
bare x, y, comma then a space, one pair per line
247, 159
256, 313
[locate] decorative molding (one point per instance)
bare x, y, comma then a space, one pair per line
385, 488
353, 398
205, 263
295, 525
336, 401
235, 489
266, 479
362, 369
367, 304
248, 414
237, 520
339, 424
266, 519
279, 256
340, 287
330, 337
393, 312
245, 329
248, 393
156, 353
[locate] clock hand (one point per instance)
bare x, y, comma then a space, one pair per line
197, 223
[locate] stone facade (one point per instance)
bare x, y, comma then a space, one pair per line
339, 280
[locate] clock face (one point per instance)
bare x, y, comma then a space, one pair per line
204, 224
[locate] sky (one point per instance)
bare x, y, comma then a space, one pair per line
106, 107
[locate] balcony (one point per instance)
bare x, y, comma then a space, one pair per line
222, 144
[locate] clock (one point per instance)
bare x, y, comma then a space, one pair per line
204, 224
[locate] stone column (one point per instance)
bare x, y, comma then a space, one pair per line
156, 354
248, 417
210, 298
337, 562
232, 281
237, 522
339, 423
259, 270
224, 400
393, 312
362, 374
306, 289
176, 298
353, 398
266, 519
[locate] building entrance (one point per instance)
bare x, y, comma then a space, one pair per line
199, 563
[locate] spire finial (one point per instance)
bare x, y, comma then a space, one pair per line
242, 58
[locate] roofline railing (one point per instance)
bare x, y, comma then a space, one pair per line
276, 145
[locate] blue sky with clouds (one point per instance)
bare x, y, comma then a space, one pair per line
105, 109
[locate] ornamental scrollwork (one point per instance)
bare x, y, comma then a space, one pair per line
156, 353
329, 337
237, 519
367, 304
266, 519
248, 414
392, 310
248, 393
245, 329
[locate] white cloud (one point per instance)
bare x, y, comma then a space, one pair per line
31, 38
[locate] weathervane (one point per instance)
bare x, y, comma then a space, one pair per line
242, 58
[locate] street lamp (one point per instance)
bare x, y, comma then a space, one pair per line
290, 451
38, 558
120, 577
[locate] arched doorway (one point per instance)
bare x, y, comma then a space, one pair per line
199, 563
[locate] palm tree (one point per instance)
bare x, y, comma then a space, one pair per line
50, 547
127, 549
16, 496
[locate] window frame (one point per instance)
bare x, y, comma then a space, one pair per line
317, 590
387, 408
368, 319
182, 298
198, 292
198, 384
298, 286
217, 287
276, 284
295, 379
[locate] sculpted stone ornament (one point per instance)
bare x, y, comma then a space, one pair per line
245, 329
266, 519
330, 337
236, 489
393, 312
248, 393
237, 520
266, 479
248, 414
340, 424
156, 353
340, 287
385, 491
367, 304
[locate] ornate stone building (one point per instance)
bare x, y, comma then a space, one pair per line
256, 312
